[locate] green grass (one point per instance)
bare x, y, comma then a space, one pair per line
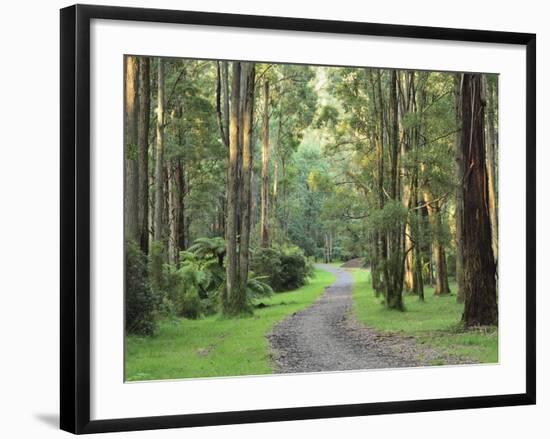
434, 323
214, 346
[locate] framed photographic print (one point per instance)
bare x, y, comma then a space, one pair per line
268, 218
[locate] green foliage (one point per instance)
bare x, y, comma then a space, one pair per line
157, 256
327, 116
209, 248
411, 120
319, 182
214, 346
193, 286
190, 305
319, 254
390, 218
434, 323
284, 268
256, 288
141, 302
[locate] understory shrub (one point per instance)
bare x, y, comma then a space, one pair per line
319, 254
283, 268
191, 288
141, 301
194, 284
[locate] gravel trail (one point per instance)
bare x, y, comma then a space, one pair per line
323, 337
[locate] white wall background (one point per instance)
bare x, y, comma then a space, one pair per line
29, 169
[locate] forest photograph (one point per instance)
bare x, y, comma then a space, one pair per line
285, 218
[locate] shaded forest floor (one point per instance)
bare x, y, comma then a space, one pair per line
214, 346
434, 324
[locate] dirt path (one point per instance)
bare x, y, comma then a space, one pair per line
323, 337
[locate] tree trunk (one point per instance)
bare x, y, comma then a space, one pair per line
491, 166
221, 215
382, 238
131, 175
151, 208
143, 151
174, 213
418, 281
165, 205
419, 104
284, 207
438, 250
409, 176
442, 280
394, 265
159, 157
409, 264
480, 307
230, 295
406, 198
225, 86
222, 109
374, 262
459, 213
221, 114
247, 162
264, 215
431, 275
183, 229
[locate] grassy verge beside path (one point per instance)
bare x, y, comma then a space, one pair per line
434, 323
214, 346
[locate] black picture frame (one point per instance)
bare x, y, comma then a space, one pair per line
75, 217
